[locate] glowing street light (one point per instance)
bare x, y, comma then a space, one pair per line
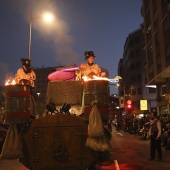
38, 95
46, 17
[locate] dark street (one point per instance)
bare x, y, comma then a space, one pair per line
133, 154
129, 153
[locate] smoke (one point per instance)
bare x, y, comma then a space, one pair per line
56, 32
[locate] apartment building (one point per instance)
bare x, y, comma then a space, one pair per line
131, 69
156, 30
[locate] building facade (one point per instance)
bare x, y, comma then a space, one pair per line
156, 30
41, 82
132, 70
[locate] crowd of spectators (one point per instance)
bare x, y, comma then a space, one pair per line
3, 131
140, 127
132, 125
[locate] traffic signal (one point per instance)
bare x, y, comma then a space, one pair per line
129, 105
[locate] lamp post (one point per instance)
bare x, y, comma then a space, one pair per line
47, 17
29, 40
118, 111
38, 105
38, 95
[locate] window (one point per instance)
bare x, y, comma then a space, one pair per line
137, 52
150, 50
132, 54
121, 92
164, 1
137, 40
133, 79
133, 67
139, 90
164, 89
155, 25
154, 4
150, 55
131, 42
159, 68
121, 101
138, 65
157, 39
151, 75
167, 53
133, 91
152, 90
139, 77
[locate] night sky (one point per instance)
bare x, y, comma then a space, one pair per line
101, 26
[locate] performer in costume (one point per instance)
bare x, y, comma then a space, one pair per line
90, 68
27, 76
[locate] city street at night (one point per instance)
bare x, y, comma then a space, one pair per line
129, 153
133, 154
85, 85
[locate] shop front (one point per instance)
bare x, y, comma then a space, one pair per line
163, 107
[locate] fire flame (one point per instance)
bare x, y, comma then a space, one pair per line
9, 82
114, 80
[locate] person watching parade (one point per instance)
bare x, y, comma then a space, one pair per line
25, 75
89, 69
154, 135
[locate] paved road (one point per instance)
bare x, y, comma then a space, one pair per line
132, 153
129, 153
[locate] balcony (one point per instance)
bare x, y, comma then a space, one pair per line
163, 75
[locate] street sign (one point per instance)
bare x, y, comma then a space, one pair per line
143, 105
129, 102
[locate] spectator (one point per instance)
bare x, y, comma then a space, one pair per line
154, 134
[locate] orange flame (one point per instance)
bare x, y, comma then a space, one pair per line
114, 80
9, 82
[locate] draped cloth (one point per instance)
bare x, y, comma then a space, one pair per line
12, 148
97, 139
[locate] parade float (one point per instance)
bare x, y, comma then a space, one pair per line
58, 140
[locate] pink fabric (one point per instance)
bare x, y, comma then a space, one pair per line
61, 75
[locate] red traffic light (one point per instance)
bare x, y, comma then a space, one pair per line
129, 105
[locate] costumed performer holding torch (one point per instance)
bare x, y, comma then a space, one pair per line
27, 76
89, 69
97, 140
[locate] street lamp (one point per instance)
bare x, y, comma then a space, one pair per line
38, 105
38, 95
47, 17
118, 111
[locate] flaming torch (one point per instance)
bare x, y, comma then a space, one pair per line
114, 80
9, 82
17, 103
